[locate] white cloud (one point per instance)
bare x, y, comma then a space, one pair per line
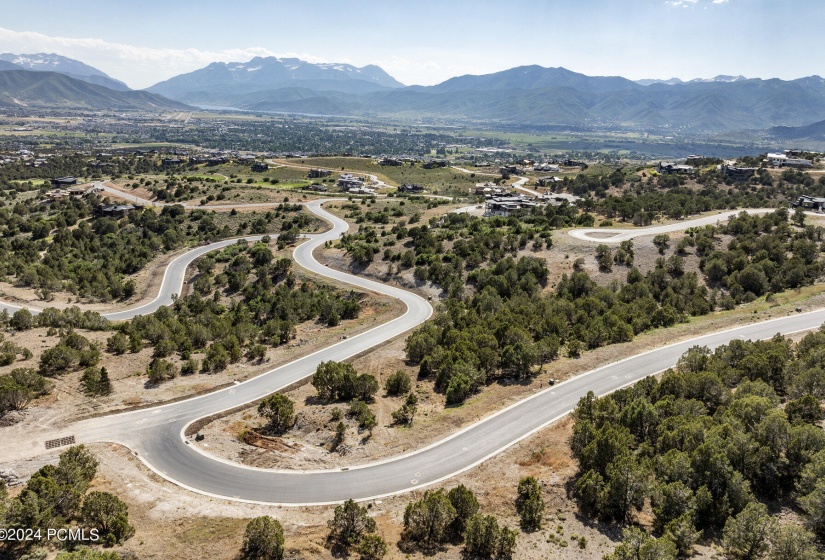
138, 66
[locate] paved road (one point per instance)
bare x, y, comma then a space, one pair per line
607, 235
171, 285
156, 434
619, 235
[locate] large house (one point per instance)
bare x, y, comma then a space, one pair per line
504, 205
670, 168
737, 173
348, 181
63, 182
117, 210
815, 203
783, 160
318, 173
411, 189
548, 181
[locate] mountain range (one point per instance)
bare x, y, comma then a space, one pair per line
24, 88
526, 95
43, 62
269, 73
677, 81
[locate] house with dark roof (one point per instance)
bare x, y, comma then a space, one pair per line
670, 168
63, 182
117, 210
814, 203
411, 189
348, 181
737, 173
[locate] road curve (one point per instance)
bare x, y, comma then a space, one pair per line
156, 435
619, 235
171, 285
173, 276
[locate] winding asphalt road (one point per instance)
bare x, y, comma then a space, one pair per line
171, 285
156, 435
618, 235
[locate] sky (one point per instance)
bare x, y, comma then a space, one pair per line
426, 42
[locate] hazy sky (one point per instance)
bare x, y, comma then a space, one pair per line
425, 42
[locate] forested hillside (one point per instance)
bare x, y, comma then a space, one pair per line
722, 441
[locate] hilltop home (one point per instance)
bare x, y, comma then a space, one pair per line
496, 208
348, 181
669, 168
64, 182
259, 167
57, 194
117, 210
391, 162
814, 203
504, 205
411, 188
737, 173
547, 181
783, 160
318, 173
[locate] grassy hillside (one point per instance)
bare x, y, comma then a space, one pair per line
58, 90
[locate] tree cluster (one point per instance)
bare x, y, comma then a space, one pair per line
336, 381
19, 387
440, 517
717, 432
766, 254
57, 496
260, 305
509, 326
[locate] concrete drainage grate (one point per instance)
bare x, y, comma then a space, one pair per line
59, 442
